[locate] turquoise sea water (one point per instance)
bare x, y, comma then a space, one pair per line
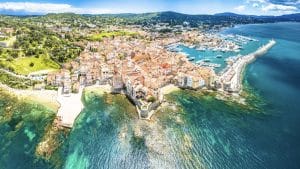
22, 125
202, 132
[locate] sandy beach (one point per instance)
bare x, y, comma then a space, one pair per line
68, 106
44, 97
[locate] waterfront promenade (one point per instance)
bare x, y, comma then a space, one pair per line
232, 78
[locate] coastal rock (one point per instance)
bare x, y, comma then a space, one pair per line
50, 141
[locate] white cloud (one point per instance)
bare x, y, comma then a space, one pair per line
240, 8
275, 7
48, 8
285, 2
267, 7
256, 1
255, 5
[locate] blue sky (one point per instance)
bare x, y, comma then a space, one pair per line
257, 7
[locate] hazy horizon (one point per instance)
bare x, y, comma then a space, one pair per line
244, 7
35, 14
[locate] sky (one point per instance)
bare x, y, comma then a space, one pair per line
253, 7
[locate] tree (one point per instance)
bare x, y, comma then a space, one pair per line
31, 64
151, 99
15, 54
11, 69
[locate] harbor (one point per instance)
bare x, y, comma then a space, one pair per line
227, 64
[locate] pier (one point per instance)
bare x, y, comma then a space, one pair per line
70, 107
231, 79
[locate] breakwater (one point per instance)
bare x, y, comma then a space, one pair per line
231, 79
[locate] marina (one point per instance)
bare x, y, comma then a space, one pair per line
213, 65
217, 57
228, 65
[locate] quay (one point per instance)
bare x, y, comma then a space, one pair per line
70, 107
231, 79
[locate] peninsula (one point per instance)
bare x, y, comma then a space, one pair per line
144, 70
140, 61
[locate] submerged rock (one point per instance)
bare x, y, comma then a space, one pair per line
51, 140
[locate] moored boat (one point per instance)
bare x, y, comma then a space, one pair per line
191, 58
206, 60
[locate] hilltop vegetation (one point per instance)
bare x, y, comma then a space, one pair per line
100, 36
15, 82
36, 42
34, 47
26, 65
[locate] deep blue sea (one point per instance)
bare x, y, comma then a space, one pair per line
200, 132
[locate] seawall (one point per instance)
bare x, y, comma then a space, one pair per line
232, 78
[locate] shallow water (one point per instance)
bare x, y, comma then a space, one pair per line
22, 125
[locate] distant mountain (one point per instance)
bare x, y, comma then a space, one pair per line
173, 18
288, 17
221, 18
291, 17
228, 14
